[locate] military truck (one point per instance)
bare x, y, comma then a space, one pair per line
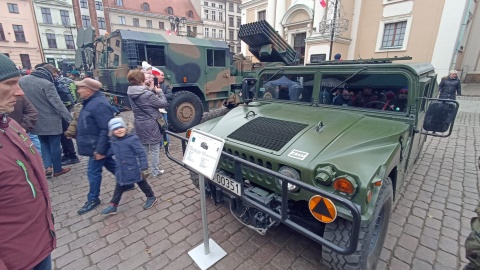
329, 172
203, 74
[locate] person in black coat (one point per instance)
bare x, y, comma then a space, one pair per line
450, 86
343, 99
132, 165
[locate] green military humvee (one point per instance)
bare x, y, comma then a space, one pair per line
326, 168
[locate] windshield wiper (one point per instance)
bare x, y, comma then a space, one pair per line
274, 74
354, 74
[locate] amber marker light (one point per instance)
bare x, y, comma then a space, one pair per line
344, 185
369, 196
189, 132
184, 79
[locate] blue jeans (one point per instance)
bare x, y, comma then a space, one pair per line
46, 264
94, 173
36, 142
51, 151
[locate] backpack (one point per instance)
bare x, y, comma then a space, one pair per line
66, 89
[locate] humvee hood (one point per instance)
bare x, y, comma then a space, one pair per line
302, 137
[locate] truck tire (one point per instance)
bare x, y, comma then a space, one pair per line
184, 111
370, 242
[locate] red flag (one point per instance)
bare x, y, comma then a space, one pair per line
323, 3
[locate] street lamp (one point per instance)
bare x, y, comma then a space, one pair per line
175, 21
334, 23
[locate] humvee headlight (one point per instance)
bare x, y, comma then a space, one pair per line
289, 172
345, 184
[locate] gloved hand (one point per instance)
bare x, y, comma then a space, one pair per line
145, 174
169, 96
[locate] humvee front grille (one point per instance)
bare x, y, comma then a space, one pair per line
268, 133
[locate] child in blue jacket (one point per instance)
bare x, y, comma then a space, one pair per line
131, 164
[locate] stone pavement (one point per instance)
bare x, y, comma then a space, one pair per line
427, 230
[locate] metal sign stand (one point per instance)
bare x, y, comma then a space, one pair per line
202, 156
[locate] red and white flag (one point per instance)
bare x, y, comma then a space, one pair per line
323, 3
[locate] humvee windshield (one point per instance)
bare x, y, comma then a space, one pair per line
285, 86
388, 92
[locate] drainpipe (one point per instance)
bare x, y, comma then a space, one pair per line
461, 34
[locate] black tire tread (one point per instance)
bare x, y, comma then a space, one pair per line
172, 113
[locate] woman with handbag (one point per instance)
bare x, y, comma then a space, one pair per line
145, 105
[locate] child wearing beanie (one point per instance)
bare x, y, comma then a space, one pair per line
131, 165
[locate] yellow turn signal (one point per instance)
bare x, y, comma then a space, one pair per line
344, 185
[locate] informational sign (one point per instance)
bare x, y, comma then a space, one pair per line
322, 209
203, 153
317, 58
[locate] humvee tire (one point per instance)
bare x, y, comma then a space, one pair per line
184, 111
374, 233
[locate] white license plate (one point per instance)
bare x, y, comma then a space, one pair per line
228, 184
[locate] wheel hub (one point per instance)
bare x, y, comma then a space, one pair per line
186, 112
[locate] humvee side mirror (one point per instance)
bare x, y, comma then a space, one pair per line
248, 89
440, 117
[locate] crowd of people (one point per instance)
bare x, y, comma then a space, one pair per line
40, 114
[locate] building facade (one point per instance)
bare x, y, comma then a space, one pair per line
19, 38
154, 16
221, 21
90, 13
426, 30
56, 27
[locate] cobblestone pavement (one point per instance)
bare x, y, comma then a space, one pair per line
427, 230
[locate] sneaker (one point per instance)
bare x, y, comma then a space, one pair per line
89, 206
64, 171
150, 202
110, 210
70, 161
160, 172
49, 172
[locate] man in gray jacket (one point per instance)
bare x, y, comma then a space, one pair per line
39, 88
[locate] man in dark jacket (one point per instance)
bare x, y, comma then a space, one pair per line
450, 86
26, 115
92, 137
26, 228
343, 100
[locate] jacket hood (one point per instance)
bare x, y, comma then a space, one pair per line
136, 90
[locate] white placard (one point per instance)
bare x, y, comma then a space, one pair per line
203, 153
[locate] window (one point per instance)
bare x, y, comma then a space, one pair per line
65, 17
25, 58
206, 32
230, 21
86, 20
117, 43
216, 58
121, 20
206, 14
239, 10
83, 4
149, 24
214, 16
69, 41
116, 60
136, 22
261, 15
220, 16
7, 55
2, 33
19, 34
146, 7
205, 4
230, 7
220, 6
52, 41
287, 86
394, 35
239, 49
190, 14
239, 22
98, 5
213, 5
13, 8
101, 23
299, 45
119, 3
194, 30
230, 34
155, 55
214, 33
220, 34
47, 17
170, 10
161, 25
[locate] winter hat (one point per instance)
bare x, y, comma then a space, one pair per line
75, 73
337, 56
8, 69
90, 83
115, 123
146, 65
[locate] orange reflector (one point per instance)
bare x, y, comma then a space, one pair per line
189, 132
322, 209
184, 79
343, 185
369, 196
378, 183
